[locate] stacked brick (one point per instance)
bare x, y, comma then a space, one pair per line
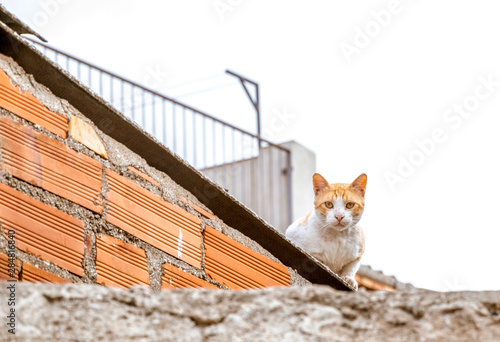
80, 217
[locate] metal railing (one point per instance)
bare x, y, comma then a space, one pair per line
253, 170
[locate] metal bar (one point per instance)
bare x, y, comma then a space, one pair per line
204, 143
280, 189
243, 168
224, 170
223, 138
255, 179
132, 105
174, 127
122, 97
241, 77
184, 133
289, 184
233, 161
255, 103
195, 154
271, 185
143, 118
100, 85
111, 92
214, 150
263, 185
260, 175
259, 134
214, 147
153, 119
164, 112
233, 150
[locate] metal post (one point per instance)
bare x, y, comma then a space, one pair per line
255, 102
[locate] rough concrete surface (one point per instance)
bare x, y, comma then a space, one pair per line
48, 312
27, 83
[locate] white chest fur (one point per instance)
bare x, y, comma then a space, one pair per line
334, 248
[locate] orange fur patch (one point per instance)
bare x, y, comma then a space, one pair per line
303, 220
348, 194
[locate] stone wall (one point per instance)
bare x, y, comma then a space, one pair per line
49, 312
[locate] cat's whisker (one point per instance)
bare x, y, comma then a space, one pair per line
324, 226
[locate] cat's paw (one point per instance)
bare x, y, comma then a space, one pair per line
351, 281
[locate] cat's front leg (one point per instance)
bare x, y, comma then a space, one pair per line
349, 271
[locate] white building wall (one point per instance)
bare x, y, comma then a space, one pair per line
260, 183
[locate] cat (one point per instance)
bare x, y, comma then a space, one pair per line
330, 231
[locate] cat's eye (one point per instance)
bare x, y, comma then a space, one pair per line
349, 205
329, 205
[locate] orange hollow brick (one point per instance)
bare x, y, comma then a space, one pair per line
120, 264
237, 266
153, 220
175, 278
30, 108
42, 161
34, 274
8, 272
42, 230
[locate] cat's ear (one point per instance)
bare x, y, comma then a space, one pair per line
318, 183
360, 183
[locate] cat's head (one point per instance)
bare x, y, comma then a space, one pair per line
339, 205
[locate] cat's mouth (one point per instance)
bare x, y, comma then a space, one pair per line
342, 225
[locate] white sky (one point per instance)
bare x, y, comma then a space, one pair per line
438, 228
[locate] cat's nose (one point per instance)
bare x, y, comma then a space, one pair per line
339, 217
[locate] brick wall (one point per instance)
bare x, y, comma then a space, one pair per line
84, 208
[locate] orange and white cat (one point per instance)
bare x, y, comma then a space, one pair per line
330, 232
